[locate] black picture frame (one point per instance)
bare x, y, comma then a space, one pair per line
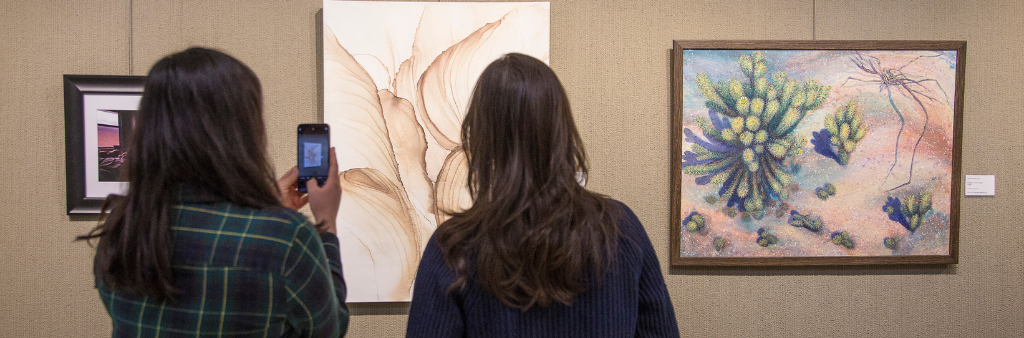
85, 195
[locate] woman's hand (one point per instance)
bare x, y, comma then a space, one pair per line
325, 201
290, 196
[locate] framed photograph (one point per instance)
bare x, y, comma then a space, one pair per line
816, 152
98, 117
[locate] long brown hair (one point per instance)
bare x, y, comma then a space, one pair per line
199, 124
534, 236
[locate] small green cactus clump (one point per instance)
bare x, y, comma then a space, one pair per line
730, 211
694, 222
842, 238
809, 222
826, 191
781, 210
891, 243
711, 199
914, 208
765, 238
847, 129
910, 211
720, 243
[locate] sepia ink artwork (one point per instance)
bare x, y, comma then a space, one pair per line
313, 154
814, 153
397, 80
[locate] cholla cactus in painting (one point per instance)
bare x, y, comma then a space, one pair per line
910, 211
843, 130
765, 238
842, 238
693, 222
749, 133
826, 191
812, 223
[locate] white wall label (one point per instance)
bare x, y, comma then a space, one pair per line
980, 185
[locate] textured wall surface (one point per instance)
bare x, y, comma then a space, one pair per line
613, 58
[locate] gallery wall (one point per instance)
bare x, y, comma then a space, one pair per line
613, 57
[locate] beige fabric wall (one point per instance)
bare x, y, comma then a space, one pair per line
613, 57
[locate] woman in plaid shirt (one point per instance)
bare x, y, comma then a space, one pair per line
205, 242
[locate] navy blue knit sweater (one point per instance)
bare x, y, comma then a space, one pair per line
630, 301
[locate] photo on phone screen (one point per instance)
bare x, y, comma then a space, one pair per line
314, 143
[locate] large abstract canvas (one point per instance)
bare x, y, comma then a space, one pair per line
397, 80
816, 152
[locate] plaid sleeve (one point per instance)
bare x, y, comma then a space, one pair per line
314, 305
334, 259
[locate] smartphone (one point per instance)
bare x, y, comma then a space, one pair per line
314, 144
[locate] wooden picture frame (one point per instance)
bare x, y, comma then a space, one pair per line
97, 111
816, 152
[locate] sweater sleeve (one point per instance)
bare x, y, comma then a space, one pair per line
434, 311
656, 317
312, 281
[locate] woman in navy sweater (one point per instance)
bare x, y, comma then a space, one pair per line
537, 255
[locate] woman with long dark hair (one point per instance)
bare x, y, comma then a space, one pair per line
205, 242
537, 255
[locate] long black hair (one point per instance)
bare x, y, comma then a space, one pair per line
200, 124
534, 235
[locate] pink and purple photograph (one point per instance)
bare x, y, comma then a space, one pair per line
112, 132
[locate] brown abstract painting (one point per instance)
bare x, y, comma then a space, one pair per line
397, 80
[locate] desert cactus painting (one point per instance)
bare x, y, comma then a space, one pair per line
795, 151
397, 80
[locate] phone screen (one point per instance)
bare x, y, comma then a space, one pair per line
314, 144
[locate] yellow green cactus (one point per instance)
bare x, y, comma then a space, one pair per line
826, 191
765, 238
808, 221
842, 238
749, 132
914, 208
891, 243
720, 243
843, 130
693, 222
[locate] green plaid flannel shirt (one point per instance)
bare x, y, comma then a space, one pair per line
242, 272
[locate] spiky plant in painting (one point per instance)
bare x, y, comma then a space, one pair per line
765, 238
843, 130
891, 243
826, 191
749, 133
842, 238
909, 212
693, 222
812, 223
720, 243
